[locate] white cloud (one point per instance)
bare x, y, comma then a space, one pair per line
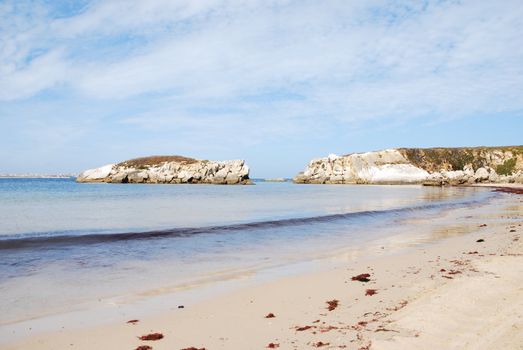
347, 60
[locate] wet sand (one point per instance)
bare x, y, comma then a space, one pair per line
457, 286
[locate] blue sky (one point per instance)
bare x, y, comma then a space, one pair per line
86, 83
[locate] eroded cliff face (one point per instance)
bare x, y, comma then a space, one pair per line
170, 170
436, 166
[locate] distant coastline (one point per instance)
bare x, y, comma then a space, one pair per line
37, 176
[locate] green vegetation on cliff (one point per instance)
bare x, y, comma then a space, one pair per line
507, 167
436, 159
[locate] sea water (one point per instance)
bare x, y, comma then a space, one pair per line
65, 246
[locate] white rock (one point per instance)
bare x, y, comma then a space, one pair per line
95, 175
482, 174
232, 172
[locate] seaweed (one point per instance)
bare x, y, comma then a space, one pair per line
320, 344
270, 315
514, 190
370, 292
273, 345
144, 347
332, 304
303, 328
151, 336
327, 329
133, 321
480, 240
363, 277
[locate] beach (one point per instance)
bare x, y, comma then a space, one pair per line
248, 175
450, 282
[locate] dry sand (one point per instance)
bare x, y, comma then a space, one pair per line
451, 293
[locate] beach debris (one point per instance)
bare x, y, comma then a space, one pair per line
327, 329
273, 345
460, 262
454, 272
270, 315
442, 270
383, 329
144, 347
400, 306
448, 277
474, 252
181, 306
151, 336
362, 324
332, 304
193, 348
514, 190
133, 321
320, 344
480, 240
316, 321
512, 231
370, 292
303, 328
483, 225
363, 277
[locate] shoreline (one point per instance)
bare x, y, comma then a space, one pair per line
234, 319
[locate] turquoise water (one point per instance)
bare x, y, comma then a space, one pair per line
85, 242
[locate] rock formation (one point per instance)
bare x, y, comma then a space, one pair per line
430, 166
170, 170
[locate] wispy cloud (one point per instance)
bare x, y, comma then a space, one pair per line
264, 69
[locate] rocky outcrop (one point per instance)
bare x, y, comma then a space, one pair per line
431, 166
170, 170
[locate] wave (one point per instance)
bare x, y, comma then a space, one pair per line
36, 241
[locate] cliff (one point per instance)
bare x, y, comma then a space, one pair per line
170, 170
431, 166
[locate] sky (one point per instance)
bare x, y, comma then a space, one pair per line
276, 83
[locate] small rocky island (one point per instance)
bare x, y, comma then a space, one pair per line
170, 170
429, 166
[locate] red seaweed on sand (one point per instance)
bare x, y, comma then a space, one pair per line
144, 347
133, 321
364, 277
193, 348
320, 344
370, 292
332, 304
152, 336
273, 345
270, 315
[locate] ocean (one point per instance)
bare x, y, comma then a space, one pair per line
66, 246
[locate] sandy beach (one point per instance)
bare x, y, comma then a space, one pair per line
458, 285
